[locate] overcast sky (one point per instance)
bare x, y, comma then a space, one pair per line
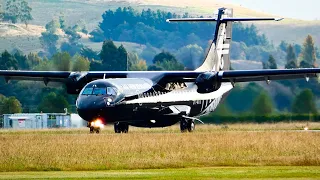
297, 9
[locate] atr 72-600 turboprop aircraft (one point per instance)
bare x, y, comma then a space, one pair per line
160, 99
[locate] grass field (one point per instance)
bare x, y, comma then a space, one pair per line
188, 173
233, 145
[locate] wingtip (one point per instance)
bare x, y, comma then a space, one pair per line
168, 20
279, 19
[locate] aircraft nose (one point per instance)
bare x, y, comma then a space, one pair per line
92, 107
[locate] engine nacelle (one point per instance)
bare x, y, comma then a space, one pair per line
76, 82
208, 82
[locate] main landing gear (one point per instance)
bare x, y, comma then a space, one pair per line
121, 127
187, 125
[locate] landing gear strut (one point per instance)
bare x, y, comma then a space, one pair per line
93, 128
187, 125
121, 127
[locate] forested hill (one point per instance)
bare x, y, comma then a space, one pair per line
139, 39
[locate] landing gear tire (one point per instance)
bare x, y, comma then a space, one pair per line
91, 130
187, 125
191, 126
121, 127
183, 125
98, 130
94, 130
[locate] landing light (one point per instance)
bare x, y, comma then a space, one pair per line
97, 123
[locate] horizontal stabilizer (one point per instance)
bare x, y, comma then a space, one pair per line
222, 20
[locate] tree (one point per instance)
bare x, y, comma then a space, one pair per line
8, 62
161, 57
22, 60
170, 65
136, 64
154, 67
53, 103
190, 56
270, 64
52, 26
89, 53
73, 45
11, 105
12, 11
113, 58
62, 61
141, 65
1, 13
262, 105
2, 101
122, 59
49, 39
49, 42
308, 53
33, 60
297, 49
291, 58
96, 65
80, 63
18, 10
25, 13
222, 110
44, 65
283, 46
97, 35
304, 103
62, 22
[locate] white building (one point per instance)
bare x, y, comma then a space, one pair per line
37, 121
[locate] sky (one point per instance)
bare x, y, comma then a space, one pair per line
297, 9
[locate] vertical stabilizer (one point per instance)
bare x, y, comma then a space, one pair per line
218, 54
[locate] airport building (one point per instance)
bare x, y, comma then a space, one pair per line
41, 121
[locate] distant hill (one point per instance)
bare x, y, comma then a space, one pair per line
89, 13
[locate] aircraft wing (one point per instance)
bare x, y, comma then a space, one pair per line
267, 75
160, 77
56, 76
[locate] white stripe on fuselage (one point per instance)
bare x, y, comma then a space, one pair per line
186, 95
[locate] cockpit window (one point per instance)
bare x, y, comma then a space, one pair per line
99, 91
110, 91
87, 91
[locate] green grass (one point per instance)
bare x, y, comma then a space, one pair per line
210, 146
188, 173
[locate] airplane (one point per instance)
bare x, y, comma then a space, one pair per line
161, 98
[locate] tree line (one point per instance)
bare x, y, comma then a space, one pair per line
306, 57
255, 101
149, 26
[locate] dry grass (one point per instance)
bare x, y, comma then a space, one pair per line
210, 146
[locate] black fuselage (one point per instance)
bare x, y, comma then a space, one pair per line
139, 103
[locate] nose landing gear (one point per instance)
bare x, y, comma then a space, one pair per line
187, 125
95, 126
95, 130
